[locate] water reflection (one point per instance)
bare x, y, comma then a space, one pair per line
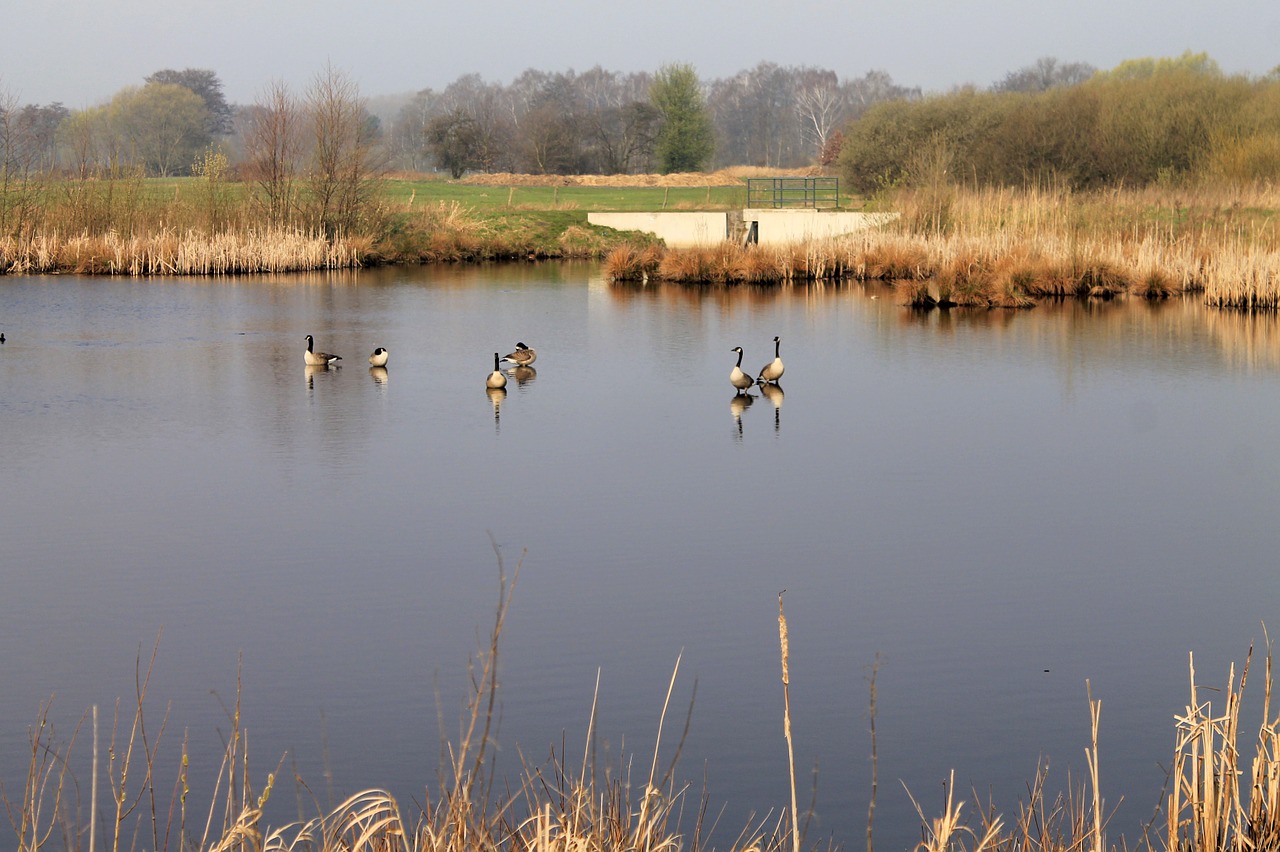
378, 374
496, 396
738, 404
523, 375
774, 394
312, 371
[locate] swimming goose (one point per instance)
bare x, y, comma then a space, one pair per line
523, 356
496, 379
379, 357
319, 359
773, 370
737, 378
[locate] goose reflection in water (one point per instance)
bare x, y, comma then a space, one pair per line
523, 375
496, 396
774, 394
379, 375
740, 403
312, 371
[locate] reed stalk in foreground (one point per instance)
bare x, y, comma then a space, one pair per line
786, 720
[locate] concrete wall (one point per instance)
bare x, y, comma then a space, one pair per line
682, 230
775, 227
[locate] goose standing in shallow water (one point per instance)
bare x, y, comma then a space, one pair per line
737, 378
379, 357
319, 359
496, 379
523, 356
772, 371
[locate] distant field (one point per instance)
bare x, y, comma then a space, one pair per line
489, 193
491, 198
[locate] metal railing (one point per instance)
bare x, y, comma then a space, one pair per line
804, 192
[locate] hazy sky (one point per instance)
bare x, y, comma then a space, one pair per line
81, 52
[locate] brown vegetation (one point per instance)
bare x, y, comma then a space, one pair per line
998, 247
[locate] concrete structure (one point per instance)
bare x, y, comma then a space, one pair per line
771, 227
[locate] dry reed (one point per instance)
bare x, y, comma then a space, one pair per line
168, 252
1003, 247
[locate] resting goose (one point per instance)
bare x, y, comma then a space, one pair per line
737, 378
379, 357
496, 379
319, 359
773, 370
523, 356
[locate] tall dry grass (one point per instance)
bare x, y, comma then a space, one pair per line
1000, 247
168, 252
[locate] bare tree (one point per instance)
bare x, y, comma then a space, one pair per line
20, 172
820, 103
345, 159
495, 114
1045, 74
407, 142
872, 88
272, 150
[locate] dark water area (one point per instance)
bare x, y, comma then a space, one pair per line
988, 509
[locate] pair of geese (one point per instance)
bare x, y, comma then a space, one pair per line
523, 356
324, 359
770, 373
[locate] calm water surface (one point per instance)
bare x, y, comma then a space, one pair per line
998, 506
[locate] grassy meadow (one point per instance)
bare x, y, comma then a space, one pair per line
1223, 790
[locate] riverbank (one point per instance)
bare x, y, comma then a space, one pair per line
1010, 248
949, 246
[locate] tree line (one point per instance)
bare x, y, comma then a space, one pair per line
593, 122
1143, 122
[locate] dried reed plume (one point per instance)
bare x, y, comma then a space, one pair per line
168, 252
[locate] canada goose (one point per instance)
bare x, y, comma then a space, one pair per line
736, 376
496, 379
1, 337
319, 359
523, 356
773, 370
379, 357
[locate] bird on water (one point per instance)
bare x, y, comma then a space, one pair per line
496, 378
772, 371
523, 356
737, 378
319, 359
379, 357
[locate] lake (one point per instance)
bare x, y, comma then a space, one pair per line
988, 510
